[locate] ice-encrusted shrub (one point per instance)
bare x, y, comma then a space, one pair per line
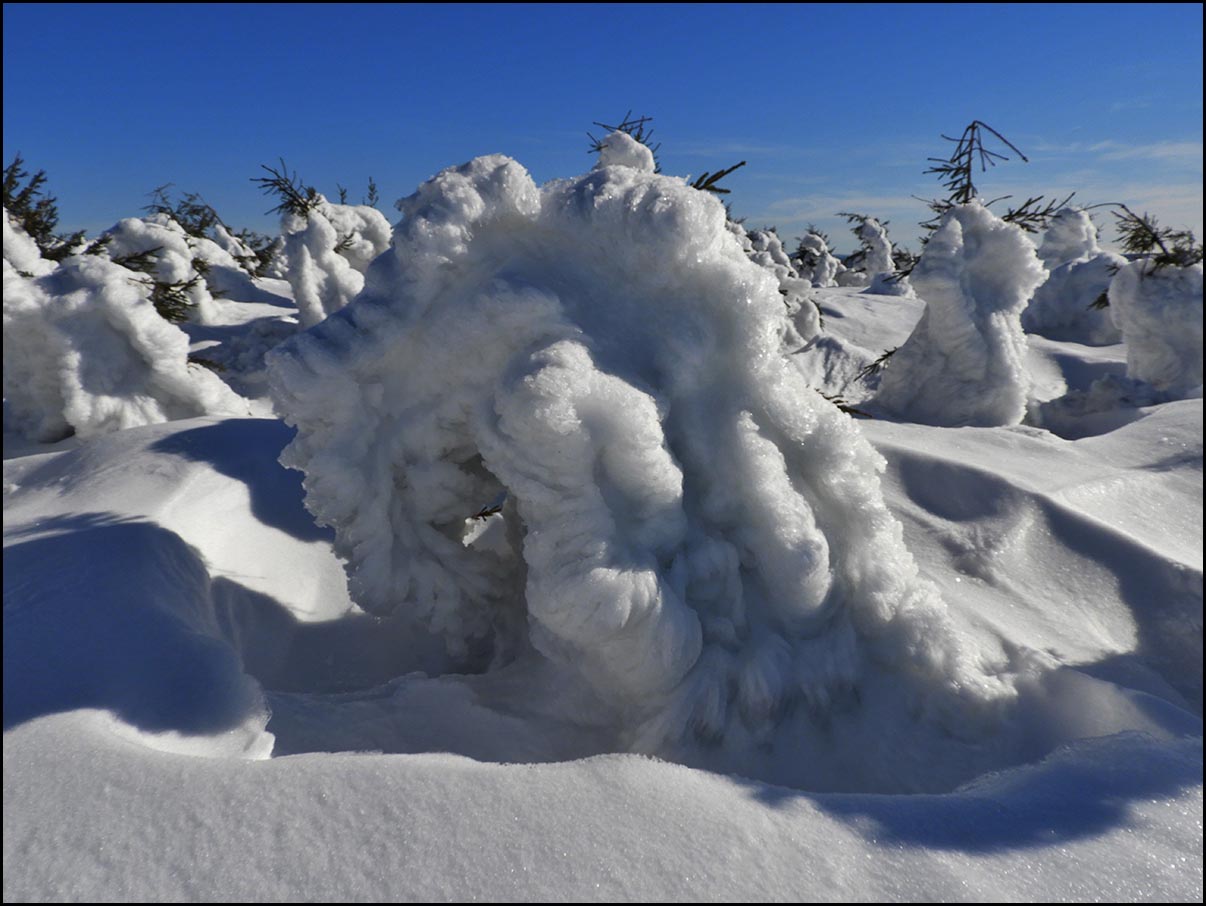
964, 362
686, 526
1065, 306
1159, 312
327, 249
85, 352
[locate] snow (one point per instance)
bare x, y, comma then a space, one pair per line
873, 660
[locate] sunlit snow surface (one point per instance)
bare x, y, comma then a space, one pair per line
194, 708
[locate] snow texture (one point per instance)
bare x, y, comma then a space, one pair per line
687, 526
1160, 315
85, 352
1080, 272
328, 250
964, 363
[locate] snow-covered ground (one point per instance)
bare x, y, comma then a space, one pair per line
196, 709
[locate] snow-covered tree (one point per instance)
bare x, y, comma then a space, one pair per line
964, 362
815, 262
1067, 306
86, 353
687, 527
327, 247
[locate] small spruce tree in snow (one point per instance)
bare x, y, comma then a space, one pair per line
1067, 306
877, 260
327, 247
814, 261
35, 212
964, 362
1156, 301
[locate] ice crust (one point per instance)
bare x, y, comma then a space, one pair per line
687, 525
1080, 271
964, 363
85, 352
328, 250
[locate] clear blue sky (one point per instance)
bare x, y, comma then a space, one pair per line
835, 107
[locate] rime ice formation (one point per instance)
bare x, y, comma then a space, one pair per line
765, 249
86, 353
686, 526
1160, 315
1080, 271
328, 249
964, 362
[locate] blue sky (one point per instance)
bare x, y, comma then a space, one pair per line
834, 107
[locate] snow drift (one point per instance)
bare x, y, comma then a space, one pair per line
964, 363
664, 508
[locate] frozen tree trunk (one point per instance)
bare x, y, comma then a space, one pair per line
964, 363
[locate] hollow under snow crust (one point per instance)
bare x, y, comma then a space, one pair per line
688, 529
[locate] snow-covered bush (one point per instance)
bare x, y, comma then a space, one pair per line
85, 352
1065, 306
877, 264
684, 525
964, 362
1159, 312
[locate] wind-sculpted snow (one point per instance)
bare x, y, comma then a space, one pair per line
683, 523
964, 363
328, 250
1080, 272
86, 353
1160, 315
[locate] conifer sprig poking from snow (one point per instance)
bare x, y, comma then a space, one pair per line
688, 527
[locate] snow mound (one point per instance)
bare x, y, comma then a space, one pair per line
1080, 273
328, 250
964, 363
86, 353
683, 522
